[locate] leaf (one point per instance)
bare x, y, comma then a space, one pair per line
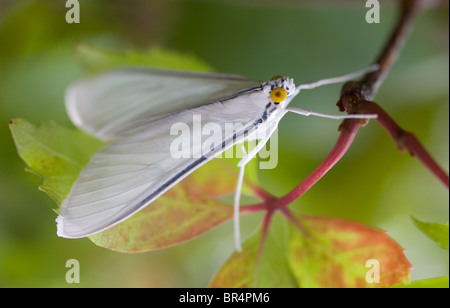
248, 270
435, 231
334, 253
56, 153
195, 205
96, 59
438, 282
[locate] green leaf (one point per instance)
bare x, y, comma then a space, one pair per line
195, 205
247, 269
56, 153
436, 231
94, 59
438, 282
333, 253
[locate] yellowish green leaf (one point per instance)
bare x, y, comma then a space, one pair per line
436, 231
56, 153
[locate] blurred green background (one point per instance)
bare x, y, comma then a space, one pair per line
308, 40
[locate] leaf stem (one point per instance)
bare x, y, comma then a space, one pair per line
348, 133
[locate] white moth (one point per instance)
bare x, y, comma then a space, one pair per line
133, 110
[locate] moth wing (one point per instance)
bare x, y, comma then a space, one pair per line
143, 162
108, 104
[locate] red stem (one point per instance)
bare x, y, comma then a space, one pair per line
265, 227
349, 130
406, 141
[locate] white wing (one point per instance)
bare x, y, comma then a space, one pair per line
138, 167
108, 104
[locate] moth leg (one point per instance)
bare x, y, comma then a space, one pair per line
237, 197
247, 158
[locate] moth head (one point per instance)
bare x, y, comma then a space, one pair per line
281, 87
